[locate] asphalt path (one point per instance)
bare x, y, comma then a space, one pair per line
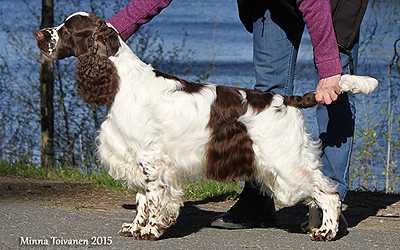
24, 222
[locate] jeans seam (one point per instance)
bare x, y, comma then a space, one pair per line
347, 169
290, 72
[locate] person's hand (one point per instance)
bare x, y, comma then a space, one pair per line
328, 90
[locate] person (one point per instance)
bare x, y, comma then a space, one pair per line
277, 28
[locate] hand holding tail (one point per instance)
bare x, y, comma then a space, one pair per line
328, 90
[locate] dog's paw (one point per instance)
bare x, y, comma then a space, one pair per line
322, 234
127, 230
148, 236
147, 233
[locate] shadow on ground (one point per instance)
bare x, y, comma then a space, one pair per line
360, 205
191, 220
195, 215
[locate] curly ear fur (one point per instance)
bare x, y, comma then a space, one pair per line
97, 78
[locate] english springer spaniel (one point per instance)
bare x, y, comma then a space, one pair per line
161, 129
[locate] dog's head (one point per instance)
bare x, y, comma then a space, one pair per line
79, 34
88, 38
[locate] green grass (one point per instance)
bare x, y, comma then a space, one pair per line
194, 190
101, 179
20, 169
211, 190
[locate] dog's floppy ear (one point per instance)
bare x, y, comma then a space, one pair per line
97, 78
106, 39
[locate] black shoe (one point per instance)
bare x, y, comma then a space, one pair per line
252, 210
226, 222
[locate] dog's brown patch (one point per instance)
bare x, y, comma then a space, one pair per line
305, 101
258, 100
230, 154
188, 87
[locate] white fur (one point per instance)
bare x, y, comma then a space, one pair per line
81, 13
358, 84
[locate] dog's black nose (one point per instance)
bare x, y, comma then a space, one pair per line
39, 35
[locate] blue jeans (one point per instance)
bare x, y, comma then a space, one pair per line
275, 52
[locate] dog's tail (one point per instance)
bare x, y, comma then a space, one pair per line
348, 83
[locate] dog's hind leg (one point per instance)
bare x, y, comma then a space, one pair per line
130, 229
163, 196
330, 205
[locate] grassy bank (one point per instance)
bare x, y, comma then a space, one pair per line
194, 190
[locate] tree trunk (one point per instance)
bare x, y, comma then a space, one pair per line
46, 95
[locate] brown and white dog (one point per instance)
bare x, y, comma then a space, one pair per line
161, 129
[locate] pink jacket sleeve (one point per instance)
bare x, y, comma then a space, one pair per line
318, 19
136, 13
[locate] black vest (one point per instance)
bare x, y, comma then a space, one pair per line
346, 15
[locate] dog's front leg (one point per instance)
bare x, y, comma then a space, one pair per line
163, 196
131, 229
